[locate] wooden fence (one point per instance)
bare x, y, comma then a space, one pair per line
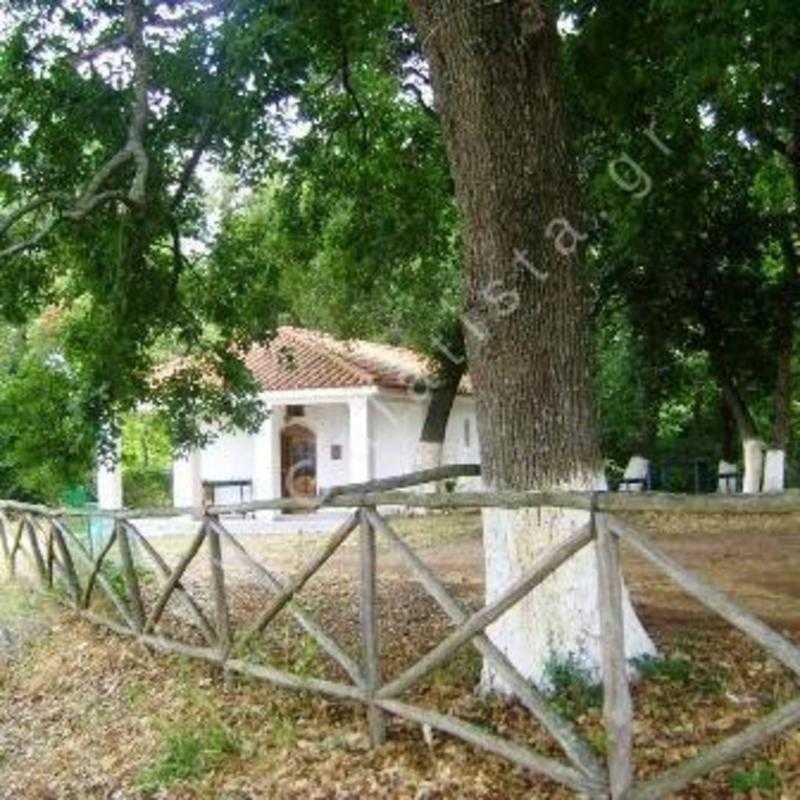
57, 554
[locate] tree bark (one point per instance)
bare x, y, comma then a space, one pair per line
495, 73
434, 429
785, 302
752, 446
729, 437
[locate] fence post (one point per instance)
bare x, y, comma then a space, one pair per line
222, 610
36, 552
51, 556
617, 704
369, 628
4, 543
131, 578
66, 561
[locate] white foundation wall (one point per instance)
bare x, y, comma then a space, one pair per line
461, 444
229, 458
330, 423
395, 426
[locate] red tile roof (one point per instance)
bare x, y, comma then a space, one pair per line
303, 359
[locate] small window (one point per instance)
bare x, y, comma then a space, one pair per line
295, 411
336, 452
467, 433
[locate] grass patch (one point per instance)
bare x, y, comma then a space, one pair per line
763, 777
664, 670
463, 670
188, 756
283, 732
573, 691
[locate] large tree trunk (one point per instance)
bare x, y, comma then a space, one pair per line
752, 446
775, 470
495, 74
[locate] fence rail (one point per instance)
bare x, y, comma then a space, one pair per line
56, 555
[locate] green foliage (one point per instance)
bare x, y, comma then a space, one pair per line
46, 442
114, 574
694, 105
147, 488
763, 777
664, 670
187, 756
573, 690
356, 232
121, 274
306, 656
338, 212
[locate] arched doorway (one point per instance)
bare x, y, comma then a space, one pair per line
298, 462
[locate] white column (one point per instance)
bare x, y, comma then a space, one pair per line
774, 471
109, 482
267, 459
753, 465
187, 481
360, 443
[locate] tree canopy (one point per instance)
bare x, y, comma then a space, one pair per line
339, 208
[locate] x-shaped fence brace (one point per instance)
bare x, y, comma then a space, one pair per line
52, 547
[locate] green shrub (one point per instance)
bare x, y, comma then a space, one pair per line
677, 670
763, 777
573, 691
146, 487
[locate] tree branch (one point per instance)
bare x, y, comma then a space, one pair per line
348, 87
15, 216
99, 49
414, 89
92, 197
157, 21
134, 22
202, 143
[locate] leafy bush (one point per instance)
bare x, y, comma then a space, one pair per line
573, 691
147, 487
677, 670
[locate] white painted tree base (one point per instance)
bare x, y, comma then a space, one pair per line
559, 620
637, 470
753, 465
775, 471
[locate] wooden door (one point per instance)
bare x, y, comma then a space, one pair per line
298, 462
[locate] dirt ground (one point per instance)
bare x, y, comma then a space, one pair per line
87, 715
754, 559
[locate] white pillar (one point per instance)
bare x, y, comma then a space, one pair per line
637, 470
774, 471
728, 483
109, 482
267, 459
187, 481
753, 465
360, 442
